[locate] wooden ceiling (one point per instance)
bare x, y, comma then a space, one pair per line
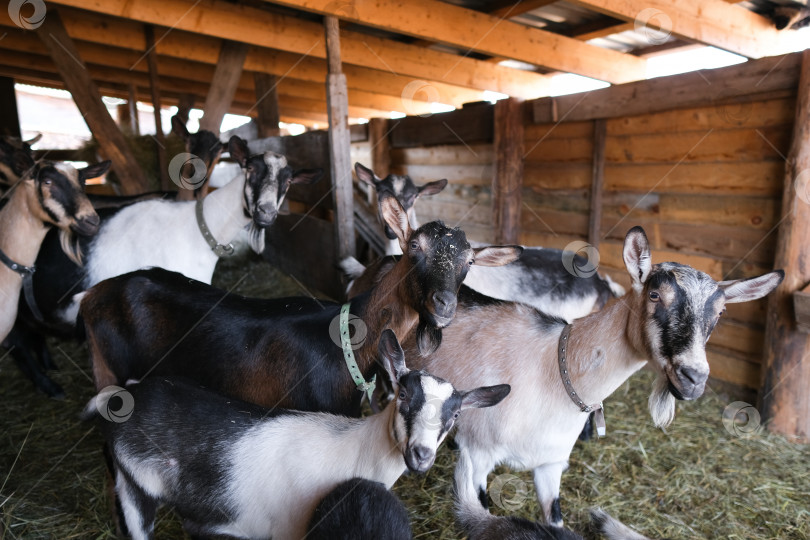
398, 56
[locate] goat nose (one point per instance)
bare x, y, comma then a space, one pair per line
422, 453
445, 302
93, 220
690, 374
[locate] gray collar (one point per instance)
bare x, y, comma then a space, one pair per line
219, 250
596, 408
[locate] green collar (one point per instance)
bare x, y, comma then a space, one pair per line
348, 355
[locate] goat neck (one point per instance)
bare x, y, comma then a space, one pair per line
23, 226
224, 210
376, 451
602, 349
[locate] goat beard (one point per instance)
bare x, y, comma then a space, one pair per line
256, 238
428, 337
662, 402
71, 247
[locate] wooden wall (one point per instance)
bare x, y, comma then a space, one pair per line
700, 167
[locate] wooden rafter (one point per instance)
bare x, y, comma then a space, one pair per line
460, 27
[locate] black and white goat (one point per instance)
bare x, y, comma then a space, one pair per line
155, 233
16, 158
665, 320
359, 509
49, 195
794, 16
283, 351
232, 468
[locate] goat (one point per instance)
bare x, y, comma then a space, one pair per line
16, 158
404, 190
359, 509
49, 195
792, 17
232, 468
288, 349
203, 145
160, 233
665, 320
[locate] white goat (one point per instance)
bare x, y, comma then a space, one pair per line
236, 469
666, 320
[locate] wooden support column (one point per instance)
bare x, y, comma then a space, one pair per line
9, 118
132, 102
337, 103
595, 218
508, 180
86, 95
223, 87
154, 86
784, 399
184, 106
380, 151
268, 116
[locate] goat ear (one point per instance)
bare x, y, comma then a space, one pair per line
432, 188
306, 176
238, 150
397, 219
21, 162
94, 171
392, 356
179, 128
497, 255
745, 290
485, 396
366, 175
637, 257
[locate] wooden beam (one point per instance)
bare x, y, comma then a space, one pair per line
784, 401
378, 131
9, 118
132, 103
339, 144
88, 100
680, 91
184, 107
154, 88
513, 9
261, 28
223, 86
598, 180
267, 112
508, 181
486, 34
713, 22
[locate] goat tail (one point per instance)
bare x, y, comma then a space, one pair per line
70, 245
90, 410
613, 529
617, 290
352, 267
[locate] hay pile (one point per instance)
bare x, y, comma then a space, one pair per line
694, 481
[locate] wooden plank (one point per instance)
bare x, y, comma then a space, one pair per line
508, 178
486, 34
88, 100
746, 339
597, 184
801, 307
380, 143
339, 144
727, 366
513, 9
713, 22
466, 126
184, 107
466, 175
154, 88
457, 154
224, 84
132, 103
784, 399
675, 92
566, 130
552, 150
551, 175
267, 110
545, 221
262, 28
610, 254
9, 119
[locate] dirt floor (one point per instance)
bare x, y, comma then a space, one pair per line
697, 480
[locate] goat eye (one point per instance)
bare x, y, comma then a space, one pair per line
414, 245
455, 415
654, 296
722, 313
47, 182
402, 395
471, 262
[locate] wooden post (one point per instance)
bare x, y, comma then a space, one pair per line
133, 109
380, 151
223, 87
184, 106
154, 86
508, 180
784, 399
595, 218
268, 116
337, 103
86, 95
9, 119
